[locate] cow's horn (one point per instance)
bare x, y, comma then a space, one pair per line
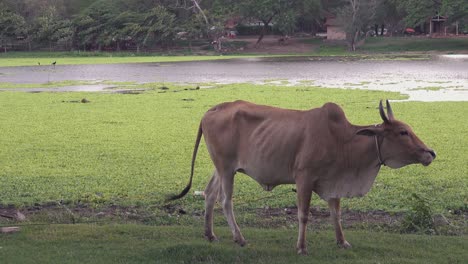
382, 113
389, 111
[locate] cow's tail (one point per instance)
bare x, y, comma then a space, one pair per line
194, 156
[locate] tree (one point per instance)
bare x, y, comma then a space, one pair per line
209, 22
193, 27
93, 26
219, 13
355, 17
159, 25
286, 23
389, 15
418, 11
64, 32
128, 28
12, 26
309, 15
267, 10
284, 14
455, 9
51, 28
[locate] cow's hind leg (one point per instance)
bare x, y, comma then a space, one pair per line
335, 212
227, 183
212, 191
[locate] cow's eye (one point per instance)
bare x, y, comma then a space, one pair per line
403, 133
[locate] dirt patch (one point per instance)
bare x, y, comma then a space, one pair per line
285, 215
57, 213
83, 101
321, 217
136, 91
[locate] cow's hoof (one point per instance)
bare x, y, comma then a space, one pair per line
240, 241
302, 251
211, 238
344, 244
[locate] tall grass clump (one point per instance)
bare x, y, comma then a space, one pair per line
419, 218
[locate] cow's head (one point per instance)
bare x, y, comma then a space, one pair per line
398, 144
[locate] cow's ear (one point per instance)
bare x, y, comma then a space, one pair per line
370, 131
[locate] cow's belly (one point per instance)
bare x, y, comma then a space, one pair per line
268, 176
269, 163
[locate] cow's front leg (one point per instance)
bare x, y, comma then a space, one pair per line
335, 212
304, 194
227, 182
212, 191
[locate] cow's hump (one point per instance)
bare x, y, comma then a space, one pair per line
338, 125
335, 113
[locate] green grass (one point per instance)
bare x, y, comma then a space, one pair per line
357, 84
428, 88
58, 84
149, 244
404, 44
66, 58
396, 45
47, 85
329, 49
75, 54
135, 149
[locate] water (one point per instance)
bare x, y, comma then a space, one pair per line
440, 78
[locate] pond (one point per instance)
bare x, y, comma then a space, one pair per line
437, 78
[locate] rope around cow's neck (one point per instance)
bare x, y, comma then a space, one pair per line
379, 155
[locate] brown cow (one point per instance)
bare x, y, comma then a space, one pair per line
318, 150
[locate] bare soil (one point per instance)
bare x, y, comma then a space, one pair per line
286, 215
319, 218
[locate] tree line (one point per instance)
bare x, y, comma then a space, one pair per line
116, 24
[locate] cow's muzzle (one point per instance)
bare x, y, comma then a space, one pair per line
429, 156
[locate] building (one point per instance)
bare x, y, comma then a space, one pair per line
334, 30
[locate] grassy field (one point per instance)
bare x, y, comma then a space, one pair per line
125, 152
134, 149
58, 84
51, 85
148, 244
66, 58
398, 45
409, 44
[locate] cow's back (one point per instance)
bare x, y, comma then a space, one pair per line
234, 124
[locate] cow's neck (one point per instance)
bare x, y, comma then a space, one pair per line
356, 166
362, 152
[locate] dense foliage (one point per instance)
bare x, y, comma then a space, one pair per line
135, 24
